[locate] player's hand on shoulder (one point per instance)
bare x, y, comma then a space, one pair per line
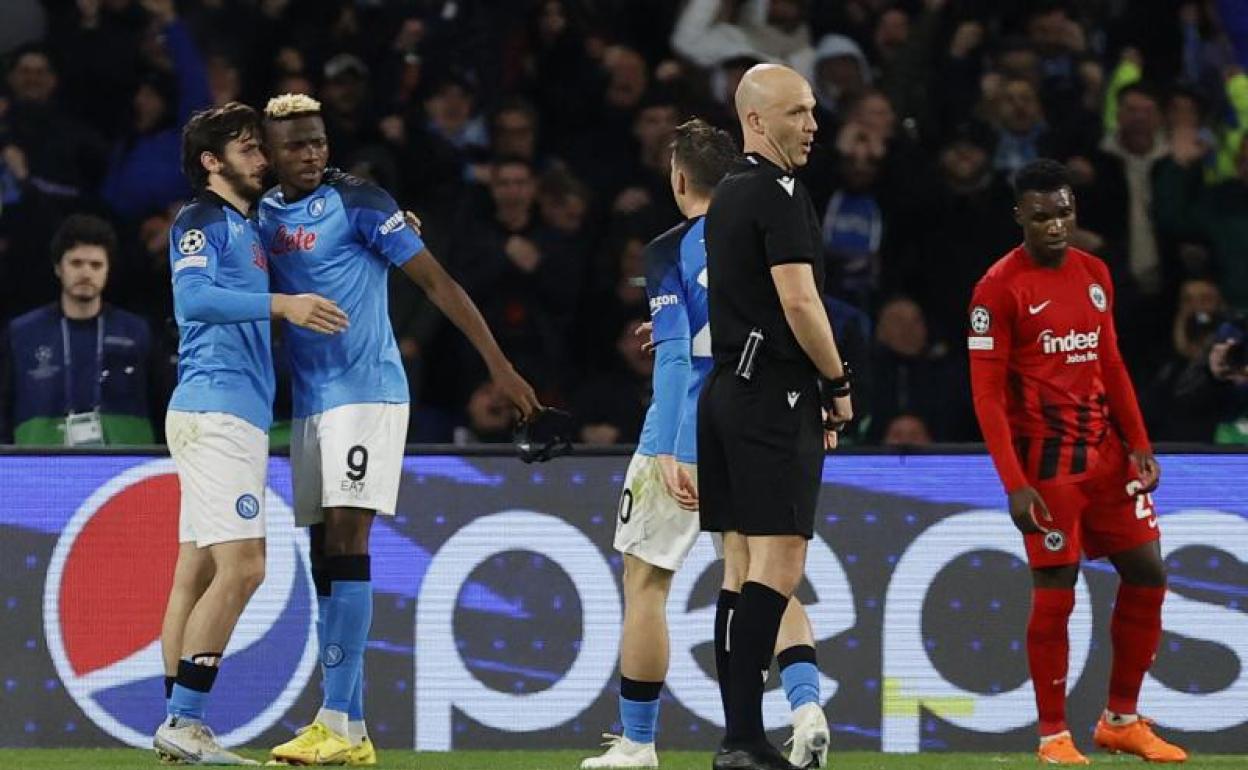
1028, 511
517, 390
678, 482
310, 311
646, 330
413, 222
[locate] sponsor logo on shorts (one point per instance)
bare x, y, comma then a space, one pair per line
1054, 541
333, 655
247, 506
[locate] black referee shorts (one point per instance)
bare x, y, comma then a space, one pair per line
760, 450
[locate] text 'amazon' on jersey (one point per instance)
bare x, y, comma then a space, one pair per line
339, 242
226, 366
1055, 329
676, 281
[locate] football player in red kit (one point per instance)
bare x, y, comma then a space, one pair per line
1060, 418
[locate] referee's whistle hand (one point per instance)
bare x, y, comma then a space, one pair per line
646, 330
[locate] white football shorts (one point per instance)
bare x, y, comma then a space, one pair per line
223, 464
649, 524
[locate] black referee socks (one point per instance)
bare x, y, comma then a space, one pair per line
724, 609
752, 639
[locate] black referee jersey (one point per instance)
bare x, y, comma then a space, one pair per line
760, 216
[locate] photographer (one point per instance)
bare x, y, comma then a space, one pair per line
1228, 368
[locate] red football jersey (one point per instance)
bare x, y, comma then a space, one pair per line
1053, 330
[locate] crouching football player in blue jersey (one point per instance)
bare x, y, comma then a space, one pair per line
331, 233
658, 521
220, 413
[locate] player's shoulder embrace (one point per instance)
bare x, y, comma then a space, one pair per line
357, 192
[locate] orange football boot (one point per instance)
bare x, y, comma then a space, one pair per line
1060, 750
1136, 738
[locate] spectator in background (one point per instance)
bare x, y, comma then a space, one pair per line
841, 71
611, 405
144, 172
1188, 208
349, 121
966, 224
489, 417
49, 165
525, 293
76, 372
907, 430
64, 157
709, 31
1174, 402
1022, 133
910, 376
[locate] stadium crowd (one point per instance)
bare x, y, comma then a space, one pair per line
532, 140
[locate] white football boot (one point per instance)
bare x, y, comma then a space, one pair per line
189, 742
810, 737
621, 752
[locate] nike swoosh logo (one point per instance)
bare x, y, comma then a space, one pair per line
1033, 309
787, 183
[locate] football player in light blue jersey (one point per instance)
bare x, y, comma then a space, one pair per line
329, 232
219, 415
658, 521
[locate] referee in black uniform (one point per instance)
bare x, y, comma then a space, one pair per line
765, 418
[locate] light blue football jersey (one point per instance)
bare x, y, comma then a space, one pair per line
339, 242
221, 303
676, 288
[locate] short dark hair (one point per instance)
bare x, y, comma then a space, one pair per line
1142, 89
211, 130
703, 152
83, 230
27, 49
1043, 176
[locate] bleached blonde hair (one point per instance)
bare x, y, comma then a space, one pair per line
290, 106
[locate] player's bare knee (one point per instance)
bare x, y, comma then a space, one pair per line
248, 574
346, 532
1064, 576
644, 581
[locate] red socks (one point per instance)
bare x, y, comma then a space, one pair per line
1048, 654
1135, 631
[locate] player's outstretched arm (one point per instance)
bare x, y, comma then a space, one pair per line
449, 297
310, 311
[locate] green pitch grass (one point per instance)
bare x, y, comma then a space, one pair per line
392, 759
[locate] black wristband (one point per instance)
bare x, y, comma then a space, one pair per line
839, 386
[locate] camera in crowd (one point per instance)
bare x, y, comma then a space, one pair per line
1228, 331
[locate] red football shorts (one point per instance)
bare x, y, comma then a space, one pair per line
1101, 515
